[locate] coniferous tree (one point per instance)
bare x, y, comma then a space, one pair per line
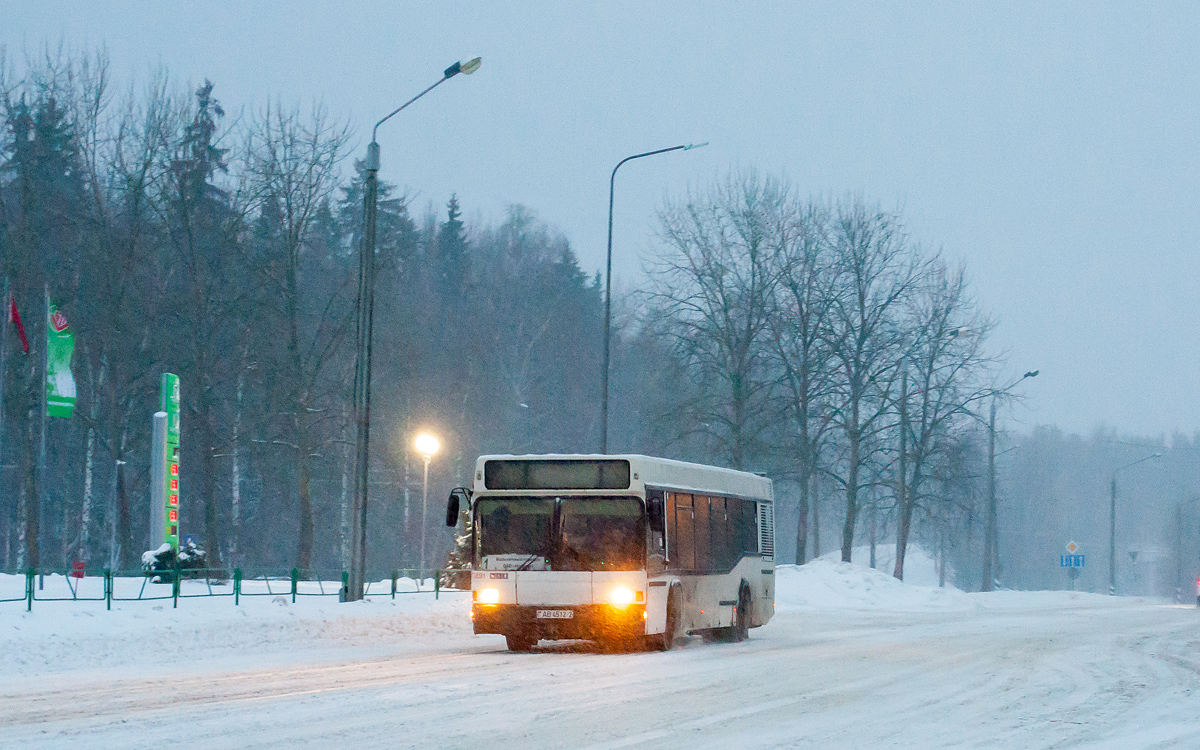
201, 226
43, 211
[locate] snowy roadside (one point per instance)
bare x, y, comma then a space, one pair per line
212, 633
827, 583
80, 637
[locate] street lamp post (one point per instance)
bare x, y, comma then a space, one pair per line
1112, 523
1179, 507
608, 286
426, 445
990, 541
364, 310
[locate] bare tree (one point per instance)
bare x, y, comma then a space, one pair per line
716, 283
295, 166
203, 223
876, 272
798, 319
943, 375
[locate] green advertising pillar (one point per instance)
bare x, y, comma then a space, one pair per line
170, 477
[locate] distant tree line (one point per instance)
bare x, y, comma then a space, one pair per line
811, 340
1057, 488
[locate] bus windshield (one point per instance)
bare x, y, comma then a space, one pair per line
560, 533
601, 533
514, 532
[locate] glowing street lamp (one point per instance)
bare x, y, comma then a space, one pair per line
427, 445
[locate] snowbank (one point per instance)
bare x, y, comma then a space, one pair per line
920, 568
829, 583
832, 584
82, 636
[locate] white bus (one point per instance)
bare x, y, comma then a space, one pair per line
617, 548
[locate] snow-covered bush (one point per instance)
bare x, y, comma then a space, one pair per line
191, 561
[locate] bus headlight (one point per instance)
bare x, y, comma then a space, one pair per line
620, 596
489, 596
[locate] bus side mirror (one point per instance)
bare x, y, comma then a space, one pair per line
458, 497
654, 510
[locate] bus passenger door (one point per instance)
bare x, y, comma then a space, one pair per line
656, 536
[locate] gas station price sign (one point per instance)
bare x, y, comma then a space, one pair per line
170, 404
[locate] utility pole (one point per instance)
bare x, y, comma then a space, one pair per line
1178, 544
902, 481
364, 309
362, 378
1112, 536
989, 536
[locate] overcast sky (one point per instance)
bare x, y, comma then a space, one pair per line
1054, 147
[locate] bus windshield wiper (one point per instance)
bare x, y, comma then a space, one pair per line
525, 565
542, 554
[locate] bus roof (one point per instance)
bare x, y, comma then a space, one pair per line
653, 472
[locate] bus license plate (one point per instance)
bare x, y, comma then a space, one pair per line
555, 614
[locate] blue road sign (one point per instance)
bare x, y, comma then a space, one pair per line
1071, 561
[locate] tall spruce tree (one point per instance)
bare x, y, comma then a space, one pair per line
44, 213
199, 219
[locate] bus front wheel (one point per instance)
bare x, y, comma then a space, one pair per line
520, 642
666, 640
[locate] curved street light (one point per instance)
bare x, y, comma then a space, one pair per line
1112, 522
990, 541
608, 285
364, 311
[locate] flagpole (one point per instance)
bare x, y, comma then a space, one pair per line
3, 370
41, 468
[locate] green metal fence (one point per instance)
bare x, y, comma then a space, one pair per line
284, 585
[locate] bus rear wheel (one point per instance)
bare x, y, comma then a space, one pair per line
741, 618
520, 642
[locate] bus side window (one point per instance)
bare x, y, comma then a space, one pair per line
700, 530
680, 534
723, 554
733, 515
741, 522
750, 526
672, 531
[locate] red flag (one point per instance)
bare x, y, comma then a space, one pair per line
15, 317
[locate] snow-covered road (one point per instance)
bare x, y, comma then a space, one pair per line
935, 669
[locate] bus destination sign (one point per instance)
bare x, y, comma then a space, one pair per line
557, 474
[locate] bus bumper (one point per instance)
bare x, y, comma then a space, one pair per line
589, 621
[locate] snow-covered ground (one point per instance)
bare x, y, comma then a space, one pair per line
852, 659
265, 626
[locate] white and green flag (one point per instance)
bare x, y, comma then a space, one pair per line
60, 383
